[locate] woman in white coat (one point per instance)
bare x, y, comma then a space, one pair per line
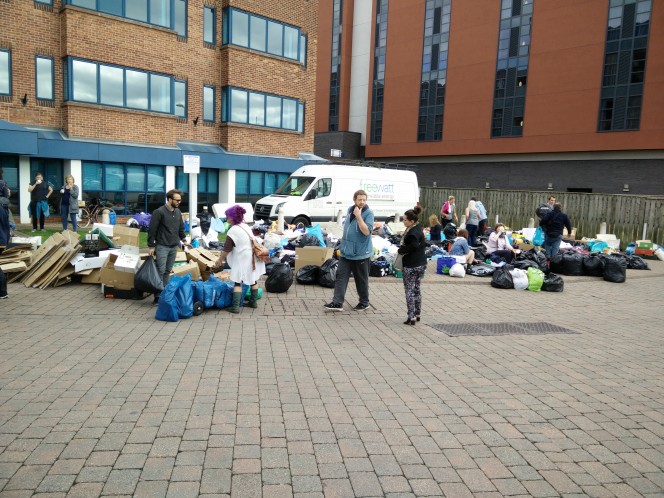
239, 251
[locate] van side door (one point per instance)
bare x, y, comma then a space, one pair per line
320, 202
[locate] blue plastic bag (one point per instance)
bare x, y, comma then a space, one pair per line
184, 296
317, 232
211, 289
167, 310
224, 298
199, 291
538, 238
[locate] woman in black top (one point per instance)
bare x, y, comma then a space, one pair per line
414, 263
435, 230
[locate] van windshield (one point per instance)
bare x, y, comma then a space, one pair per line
295, 185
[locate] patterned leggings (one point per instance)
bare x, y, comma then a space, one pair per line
412, 277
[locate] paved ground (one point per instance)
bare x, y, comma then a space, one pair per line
98, 398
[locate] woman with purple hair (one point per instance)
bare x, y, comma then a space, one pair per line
239, 251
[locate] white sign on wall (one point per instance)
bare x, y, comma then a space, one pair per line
191, 164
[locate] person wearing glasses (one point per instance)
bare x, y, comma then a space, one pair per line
165, 235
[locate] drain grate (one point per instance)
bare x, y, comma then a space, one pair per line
504, 328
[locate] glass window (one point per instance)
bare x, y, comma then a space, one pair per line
111, 7
256, 182
241, 182
209, 21
45, 2
273, 111
289, 114
111, 87
291, 38
84, 80
114, 177
208, 103
180, 17
44, 72
238, 106
137, 89
5, 73
240, 28
300, 117
257, 109
136, 178
137, 9
303, 49
213, 181
160, 93
88, 4
160, 12
180, 98
156, 179
275, 34
258, 33
92, 175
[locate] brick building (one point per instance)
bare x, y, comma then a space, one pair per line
121, 93
507, 94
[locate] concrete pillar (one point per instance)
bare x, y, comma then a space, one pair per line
226, 186
193, 195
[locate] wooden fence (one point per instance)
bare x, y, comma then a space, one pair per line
625, 215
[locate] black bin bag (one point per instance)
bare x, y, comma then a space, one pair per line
615, 269
147, 278
502, 279
593, 265
556, 263
307, 275
328, 273
573, 264
280, 279
553, 283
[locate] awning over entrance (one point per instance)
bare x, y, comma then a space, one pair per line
16, 139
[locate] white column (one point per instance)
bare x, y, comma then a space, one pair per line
226, 186
74, 167
170, 179
359, 68
23, 182
193, 195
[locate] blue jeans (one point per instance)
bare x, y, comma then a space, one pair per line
360, 270
72, 217
552, 245
165, 260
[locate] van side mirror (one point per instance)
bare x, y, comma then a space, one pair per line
312, 195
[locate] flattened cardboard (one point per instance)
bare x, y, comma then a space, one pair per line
191, 267
312, 256
123, 235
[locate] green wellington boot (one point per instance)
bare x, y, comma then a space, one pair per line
253, 298
235, 307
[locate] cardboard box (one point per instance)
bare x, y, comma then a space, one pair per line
35, 241
123, 235
114, 278
117, 293
128, 260
94, 277
191, 267
82, 263
526, 247
205, 260
312, 256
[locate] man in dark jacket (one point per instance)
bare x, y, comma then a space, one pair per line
4, 240
552, 225
165, 234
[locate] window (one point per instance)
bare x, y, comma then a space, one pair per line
335, 70
511, 81
209, 25
129, 188
624, 71
207, 188
259, 109
250, 186
44, 77
97, 83
180, 98
208, 103
45, 2
265, 35
170, 14
434, 71
378, 86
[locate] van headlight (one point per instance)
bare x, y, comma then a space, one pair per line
278, 207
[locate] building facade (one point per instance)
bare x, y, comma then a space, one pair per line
566, 95
123, 94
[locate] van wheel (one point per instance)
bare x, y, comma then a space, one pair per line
301, 219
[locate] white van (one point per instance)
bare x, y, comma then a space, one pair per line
317, 192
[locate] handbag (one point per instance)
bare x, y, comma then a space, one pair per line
398, 262
260, 252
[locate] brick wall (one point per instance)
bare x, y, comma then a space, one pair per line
76, 32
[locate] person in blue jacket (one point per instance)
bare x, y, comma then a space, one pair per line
355, 254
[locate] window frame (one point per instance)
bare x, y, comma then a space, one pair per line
186, 98
9, 72
213, 12
227, 35
214, 105
45, 2
52, 60
171, 13
69, 86
227, 109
